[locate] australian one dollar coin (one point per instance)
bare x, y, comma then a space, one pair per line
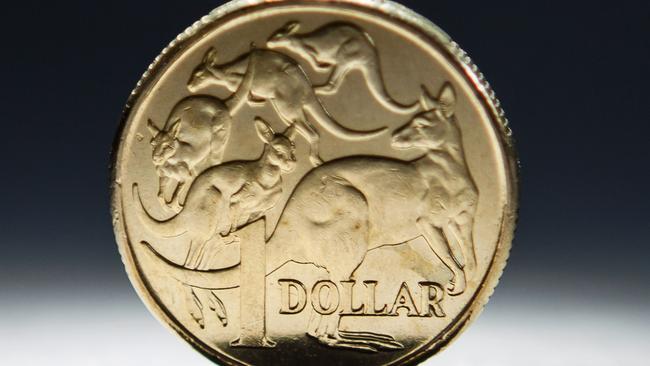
314, 182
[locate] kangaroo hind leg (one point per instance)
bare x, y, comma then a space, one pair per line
463, 225
339, 72
440, 247
313, 138
326, 329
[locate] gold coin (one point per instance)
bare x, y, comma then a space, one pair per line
314, 182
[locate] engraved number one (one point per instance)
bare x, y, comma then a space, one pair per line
252, 286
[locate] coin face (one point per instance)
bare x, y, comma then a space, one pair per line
308, 182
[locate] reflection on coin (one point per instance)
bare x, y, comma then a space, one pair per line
314, 182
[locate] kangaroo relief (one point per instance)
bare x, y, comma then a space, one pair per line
343, 206
343, 193
452, 196
227, 196
339, 48
262, 76
193, 138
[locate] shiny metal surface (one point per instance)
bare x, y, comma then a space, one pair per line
314, 182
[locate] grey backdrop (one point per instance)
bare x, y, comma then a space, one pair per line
573, 78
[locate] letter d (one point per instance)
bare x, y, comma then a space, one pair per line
294, 296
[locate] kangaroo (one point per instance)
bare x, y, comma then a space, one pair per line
340, 48
193, 138
228, 196
342, 210
263, 75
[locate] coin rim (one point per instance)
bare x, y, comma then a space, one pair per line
391, 12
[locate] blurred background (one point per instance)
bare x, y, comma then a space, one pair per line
573, 77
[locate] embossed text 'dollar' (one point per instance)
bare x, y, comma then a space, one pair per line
346, 298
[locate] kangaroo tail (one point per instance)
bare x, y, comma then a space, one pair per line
219, 279
156, 228
378, 89
320, 114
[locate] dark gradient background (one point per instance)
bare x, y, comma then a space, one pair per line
573, 77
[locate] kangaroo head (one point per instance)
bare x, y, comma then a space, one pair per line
284, 37
280, 149
433, 127
164, 142
207, 72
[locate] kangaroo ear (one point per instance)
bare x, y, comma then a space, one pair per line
290, 132
175, 128
292, 27
264, 131
210, 56
447, 100
153, 130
